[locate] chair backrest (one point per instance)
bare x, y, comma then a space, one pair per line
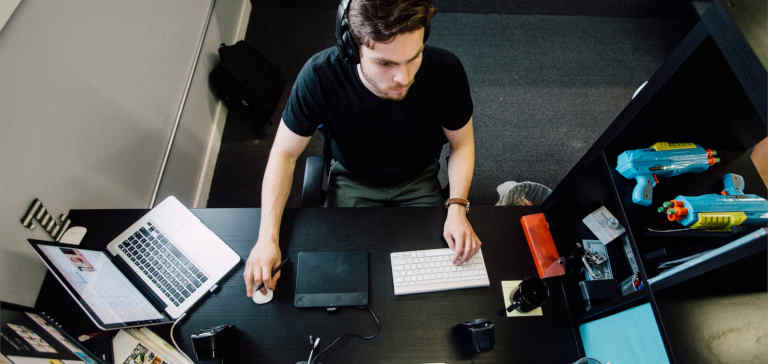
327, 155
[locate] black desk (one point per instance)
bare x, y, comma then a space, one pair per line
416, 329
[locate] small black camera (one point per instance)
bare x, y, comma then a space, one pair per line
212, 343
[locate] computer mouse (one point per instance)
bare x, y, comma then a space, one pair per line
260, 298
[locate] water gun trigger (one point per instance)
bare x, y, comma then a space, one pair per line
733, 184
642, 194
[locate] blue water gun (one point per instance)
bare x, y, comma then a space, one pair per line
718, 211
662, 159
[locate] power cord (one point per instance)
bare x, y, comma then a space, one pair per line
342, 337
174, 339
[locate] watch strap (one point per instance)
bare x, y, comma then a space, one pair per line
458, 201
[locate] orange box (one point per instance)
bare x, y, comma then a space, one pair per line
542, 245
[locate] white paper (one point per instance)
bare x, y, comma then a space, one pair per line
604, 225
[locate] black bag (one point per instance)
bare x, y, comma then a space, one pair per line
247, 83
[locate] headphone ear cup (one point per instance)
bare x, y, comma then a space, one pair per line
345, 44
350, 47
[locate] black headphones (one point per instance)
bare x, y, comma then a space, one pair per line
344, 42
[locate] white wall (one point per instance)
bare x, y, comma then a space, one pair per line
196, 146
89, 93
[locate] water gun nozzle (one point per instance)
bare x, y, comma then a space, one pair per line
678, 212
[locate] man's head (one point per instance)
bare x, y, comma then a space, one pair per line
390, 37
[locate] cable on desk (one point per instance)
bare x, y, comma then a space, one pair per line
342, 337
174, 339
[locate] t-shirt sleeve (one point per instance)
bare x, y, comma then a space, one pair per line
303, 110
459, 96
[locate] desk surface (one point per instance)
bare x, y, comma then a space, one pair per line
415, 329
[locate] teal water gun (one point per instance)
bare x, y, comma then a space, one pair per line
662, 159
722, 211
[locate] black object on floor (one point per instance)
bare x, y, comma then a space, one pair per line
247, 83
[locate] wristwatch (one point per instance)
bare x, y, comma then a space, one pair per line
457, 200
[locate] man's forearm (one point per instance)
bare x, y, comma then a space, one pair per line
461, 166
275, 189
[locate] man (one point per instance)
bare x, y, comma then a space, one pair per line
388, 103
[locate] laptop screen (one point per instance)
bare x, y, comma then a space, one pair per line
99, 285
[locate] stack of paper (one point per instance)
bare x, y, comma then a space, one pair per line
140, 346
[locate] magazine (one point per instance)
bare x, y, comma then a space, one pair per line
142, 346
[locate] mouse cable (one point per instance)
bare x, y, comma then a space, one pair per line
342, 337
174, 339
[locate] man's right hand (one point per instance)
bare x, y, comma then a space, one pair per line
264, 257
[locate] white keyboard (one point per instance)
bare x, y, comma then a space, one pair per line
432, 270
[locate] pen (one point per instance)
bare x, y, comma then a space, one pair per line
277, 269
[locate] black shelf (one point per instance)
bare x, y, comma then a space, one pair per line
710, 91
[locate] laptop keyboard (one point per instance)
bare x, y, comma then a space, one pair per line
165, 265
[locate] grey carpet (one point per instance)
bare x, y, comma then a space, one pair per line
544, 88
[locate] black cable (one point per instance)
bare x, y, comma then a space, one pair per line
342, 337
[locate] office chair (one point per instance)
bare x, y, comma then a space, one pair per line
317, 175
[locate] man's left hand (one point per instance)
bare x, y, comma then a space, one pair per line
459, 235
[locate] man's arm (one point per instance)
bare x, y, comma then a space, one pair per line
458, 232
275, 188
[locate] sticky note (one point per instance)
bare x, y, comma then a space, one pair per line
507, 287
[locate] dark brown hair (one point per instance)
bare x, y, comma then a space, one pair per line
382, 20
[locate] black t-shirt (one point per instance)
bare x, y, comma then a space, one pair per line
380, 141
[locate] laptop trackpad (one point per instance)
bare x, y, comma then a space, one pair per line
332, 279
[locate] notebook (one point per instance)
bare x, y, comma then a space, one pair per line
331, 279
151, 273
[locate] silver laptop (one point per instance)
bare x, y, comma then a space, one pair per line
151, 273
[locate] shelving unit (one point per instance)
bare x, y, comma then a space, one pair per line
710, 91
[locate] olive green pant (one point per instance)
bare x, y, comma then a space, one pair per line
345, 191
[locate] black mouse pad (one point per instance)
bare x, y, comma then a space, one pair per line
331, 279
